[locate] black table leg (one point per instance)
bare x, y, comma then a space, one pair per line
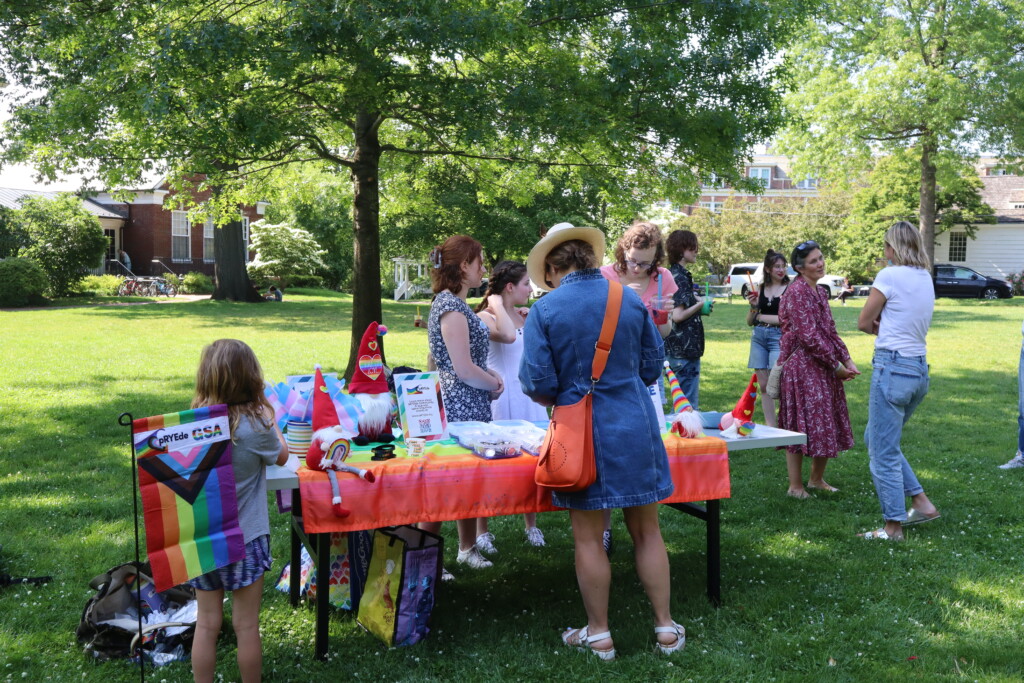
295, 573
323, 591
714, 552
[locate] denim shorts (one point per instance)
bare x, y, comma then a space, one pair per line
239, 574
764, 346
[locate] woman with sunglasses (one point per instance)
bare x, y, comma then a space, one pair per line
899, 311
816, 363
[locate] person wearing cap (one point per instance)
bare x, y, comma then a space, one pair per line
632, 465
898, 310
815, 365
459, 343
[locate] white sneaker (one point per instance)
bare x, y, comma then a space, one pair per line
473, 559
485, 543
535, 537
1015, 462
446, 575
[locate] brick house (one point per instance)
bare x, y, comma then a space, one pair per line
155, 236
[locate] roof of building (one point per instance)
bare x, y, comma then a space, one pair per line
11, 198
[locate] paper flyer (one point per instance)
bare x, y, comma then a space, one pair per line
420, 408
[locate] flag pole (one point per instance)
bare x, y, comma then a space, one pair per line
125, 420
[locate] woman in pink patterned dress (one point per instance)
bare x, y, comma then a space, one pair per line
816, 365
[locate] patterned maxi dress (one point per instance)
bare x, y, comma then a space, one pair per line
813, 400
461, 401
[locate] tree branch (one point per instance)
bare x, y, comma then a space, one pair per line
605, 13
491, 157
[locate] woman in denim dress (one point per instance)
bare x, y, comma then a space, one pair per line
632, 465
899, 311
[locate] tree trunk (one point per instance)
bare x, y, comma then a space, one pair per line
366, 294
229, 252
927, 206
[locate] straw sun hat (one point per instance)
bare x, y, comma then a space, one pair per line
562, 232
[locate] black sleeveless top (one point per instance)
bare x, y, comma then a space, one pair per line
766, 306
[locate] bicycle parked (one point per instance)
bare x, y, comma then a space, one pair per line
158, 286
133, 286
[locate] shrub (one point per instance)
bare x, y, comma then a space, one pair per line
196, 283
173, 280
65, 239
22, 282
281, 250
102, 285
310, 281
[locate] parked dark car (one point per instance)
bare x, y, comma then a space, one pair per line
477, 291
959, 281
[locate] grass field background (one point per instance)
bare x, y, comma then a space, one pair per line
804, 599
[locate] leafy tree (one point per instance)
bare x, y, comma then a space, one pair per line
282, 251
891, 193
12, 236
744, 230
933, 79
641, 95
63, 238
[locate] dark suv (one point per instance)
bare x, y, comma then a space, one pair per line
953, 280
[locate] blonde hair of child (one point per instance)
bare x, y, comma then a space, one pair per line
229, 373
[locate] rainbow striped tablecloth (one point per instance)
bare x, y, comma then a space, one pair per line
450, 482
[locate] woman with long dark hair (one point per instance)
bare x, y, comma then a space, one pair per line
763, 316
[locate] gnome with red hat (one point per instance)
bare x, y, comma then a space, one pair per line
330, 444
740, 422
370, 387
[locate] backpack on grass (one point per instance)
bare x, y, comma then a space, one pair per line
109, 625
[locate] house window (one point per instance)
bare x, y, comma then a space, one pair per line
713, 182
807, 184
245, 237
1018, 206
713, 207
958, 246
208, 233
999, 171
762, 174
181, 237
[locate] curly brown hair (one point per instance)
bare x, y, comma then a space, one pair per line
679, 241
448, 260
640, 235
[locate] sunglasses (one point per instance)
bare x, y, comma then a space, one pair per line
807, 246
639, 264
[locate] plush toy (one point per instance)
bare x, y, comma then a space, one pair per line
740, 422
370, 387
686, 422
330, 445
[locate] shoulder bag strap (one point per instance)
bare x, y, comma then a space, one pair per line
604, 342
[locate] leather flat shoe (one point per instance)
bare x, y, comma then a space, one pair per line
915, 517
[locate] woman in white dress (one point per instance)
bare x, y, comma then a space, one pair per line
502, 310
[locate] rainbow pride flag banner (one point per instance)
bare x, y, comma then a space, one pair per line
188, 493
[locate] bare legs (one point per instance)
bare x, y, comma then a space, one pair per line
794, 467
245, 618
767, 402
466, 527
593, 570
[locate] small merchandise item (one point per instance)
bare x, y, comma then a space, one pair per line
496, 449
385, 451
740, 422
567, 456
415, 447
369, 386
404, 571
686, 422
330, 445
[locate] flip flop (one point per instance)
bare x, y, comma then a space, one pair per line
915, 517
879, 534
828, 488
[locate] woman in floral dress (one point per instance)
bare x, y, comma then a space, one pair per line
816, 363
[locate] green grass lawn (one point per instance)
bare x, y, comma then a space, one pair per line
803, 598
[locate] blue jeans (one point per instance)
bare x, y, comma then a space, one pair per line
1020, 402
688, 373
898, 385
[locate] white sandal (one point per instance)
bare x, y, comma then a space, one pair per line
585, 641
675, 629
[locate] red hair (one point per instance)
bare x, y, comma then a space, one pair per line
448, 259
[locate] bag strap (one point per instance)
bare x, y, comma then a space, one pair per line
604, 342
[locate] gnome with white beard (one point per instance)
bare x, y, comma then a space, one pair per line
369, 386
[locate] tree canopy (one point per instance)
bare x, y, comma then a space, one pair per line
62, 237
934, 79
656, 94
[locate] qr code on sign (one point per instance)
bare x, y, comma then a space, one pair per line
424, 424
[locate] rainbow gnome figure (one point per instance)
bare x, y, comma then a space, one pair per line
369, 386
740, 422
685, 421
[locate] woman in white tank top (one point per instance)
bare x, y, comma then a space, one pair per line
502, 311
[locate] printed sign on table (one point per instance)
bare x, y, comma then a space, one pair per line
420, 407
188, 493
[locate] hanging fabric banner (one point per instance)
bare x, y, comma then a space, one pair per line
188, 493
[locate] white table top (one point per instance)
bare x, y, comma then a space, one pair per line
763, 436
